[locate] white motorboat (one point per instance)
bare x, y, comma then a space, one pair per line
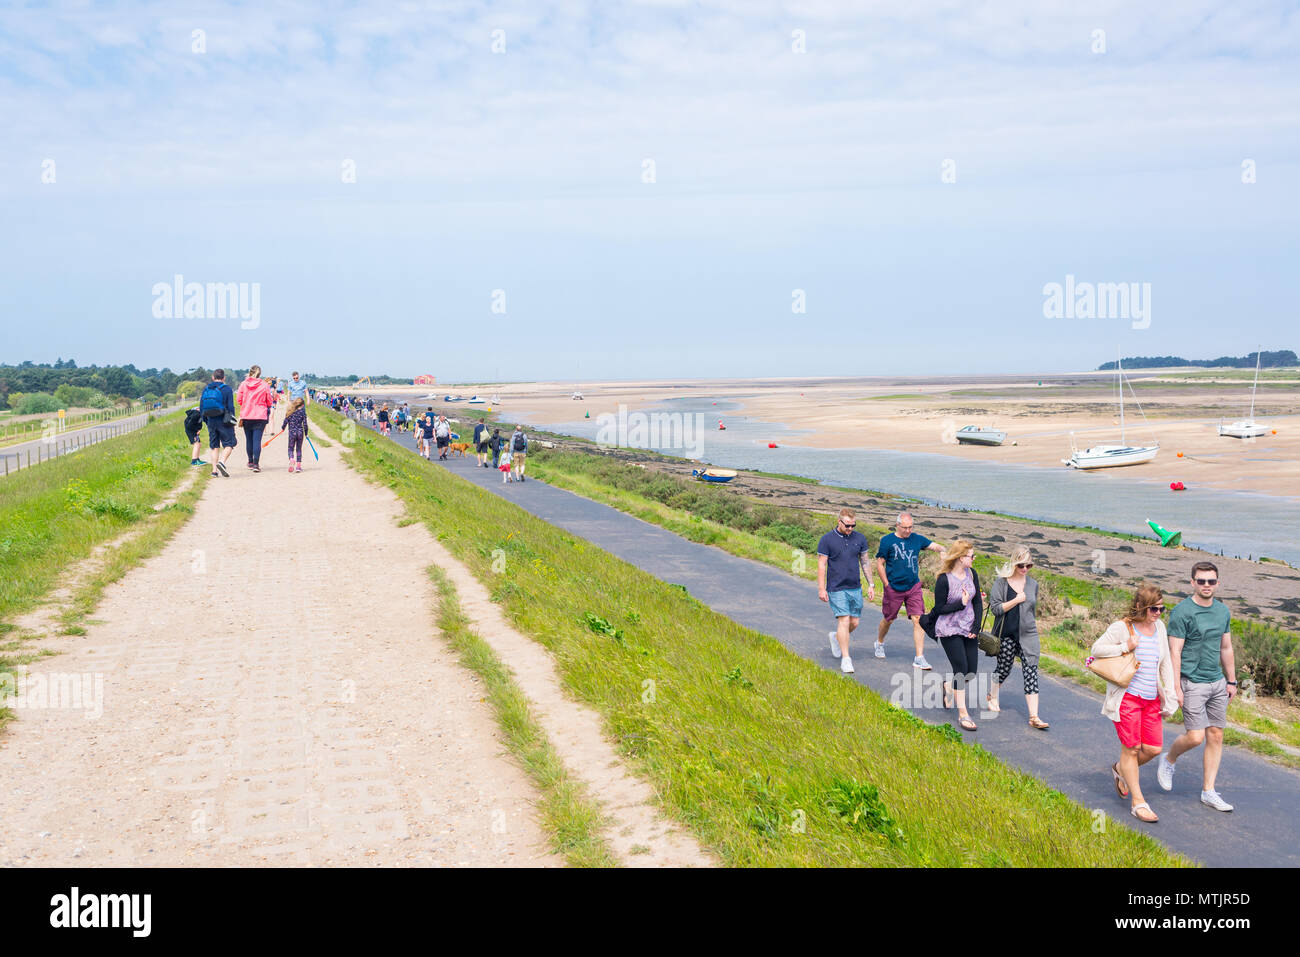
1246, 428
576, 395
1112, 455
475, 400
980, 435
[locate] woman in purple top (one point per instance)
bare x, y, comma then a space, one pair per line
957, 611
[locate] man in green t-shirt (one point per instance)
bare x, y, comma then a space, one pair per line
1200, 644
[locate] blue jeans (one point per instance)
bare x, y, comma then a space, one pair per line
253, 429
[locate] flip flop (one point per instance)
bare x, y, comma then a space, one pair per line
993, 705
947, 697
1120, 787
1146, 820
967, 724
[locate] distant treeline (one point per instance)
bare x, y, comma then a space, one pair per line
32, 387
1267, 360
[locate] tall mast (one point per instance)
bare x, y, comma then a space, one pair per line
1258, 353
1119, 371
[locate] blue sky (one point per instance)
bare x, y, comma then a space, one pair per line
522, 171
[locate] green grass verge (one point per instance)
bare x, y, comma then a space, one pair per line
568, 812
769, 759
55, 514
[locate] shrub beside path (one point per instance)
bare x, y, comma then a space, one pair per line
274, 691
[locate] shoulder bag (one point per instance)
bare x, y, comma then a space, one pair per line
1117, 669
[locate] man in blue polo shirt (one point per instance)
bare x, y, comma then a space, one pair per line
298, 388
842, 554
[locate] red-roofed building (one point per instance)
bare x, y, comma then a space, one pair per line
424, 380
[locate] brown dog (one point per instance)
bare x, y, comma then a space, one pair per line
460, 448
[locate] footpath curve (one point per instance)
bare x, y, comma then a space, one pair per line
1073, 757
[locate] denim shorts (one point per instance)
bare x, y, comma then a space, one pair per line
846, 602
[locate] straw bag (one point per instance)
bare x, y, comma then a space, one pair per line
1117, 669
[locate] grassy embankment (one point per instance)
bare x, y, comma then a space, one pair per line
53, 515
767, 758
787, 538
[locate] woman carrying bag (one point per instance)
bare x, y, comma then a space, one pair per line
956, 614
1013, 600
1137, 700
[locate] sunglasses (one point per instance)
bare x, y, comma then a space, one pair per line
1158, 609
1206, 581
848, 524
1025, 565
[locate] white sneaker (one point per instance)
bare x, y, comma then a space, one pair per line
835, 645
880, 649
920, 662
1165, 773
846, 665
1212, 799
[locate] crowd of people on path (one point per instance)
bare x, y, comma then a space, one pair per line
1151, 669
252, 408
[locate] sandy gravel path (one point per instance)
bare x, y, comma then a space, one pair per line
273, 691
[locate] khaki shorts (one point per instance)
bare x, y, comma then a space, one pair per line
1204, 705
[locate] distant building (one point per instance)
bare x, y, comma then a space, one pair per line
425, 380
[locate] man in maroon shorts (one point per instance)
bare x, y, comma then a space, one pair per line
898, 564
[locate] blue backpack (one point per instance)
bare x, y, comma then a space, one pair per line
212, 402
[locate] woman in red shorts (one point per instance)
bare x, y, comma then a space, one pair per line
1138, 710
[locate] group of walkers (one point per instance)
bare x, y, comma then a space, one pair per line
1189, 664
250, 408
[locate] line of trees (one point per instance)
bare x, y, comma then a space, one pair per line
64, 384
1267, 360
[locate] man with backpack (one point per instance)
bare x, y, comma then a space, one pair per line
518, 451
217, 404
481, 443
193, 431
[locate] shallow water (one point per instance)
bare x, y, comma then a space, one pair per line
1240, 524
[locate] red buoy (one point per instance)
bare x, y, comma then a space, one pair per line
771, 445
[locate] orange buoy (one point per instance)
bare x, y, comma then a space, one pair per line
1180, 455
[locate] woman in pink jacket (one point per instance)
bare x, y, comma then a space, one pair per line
255, 401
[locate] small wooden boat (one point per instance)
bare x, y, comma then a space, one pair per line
714, 475
980, 435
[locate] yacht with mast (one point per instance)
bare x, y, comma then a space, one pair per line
1246, 428
1112, 456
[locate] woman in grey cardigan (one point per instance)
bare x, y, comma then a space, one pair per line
1013, 599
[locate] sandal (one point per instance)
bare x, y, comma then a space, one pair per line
1147, 820
948, 700
993, 705
1036, 722
967, 724
1120, 787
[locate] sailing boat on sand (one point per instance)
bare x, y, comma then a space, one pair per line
1246, 428
1111, 456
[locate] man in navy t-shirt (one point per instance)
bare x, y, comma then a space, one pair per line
841, 552
898, 563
